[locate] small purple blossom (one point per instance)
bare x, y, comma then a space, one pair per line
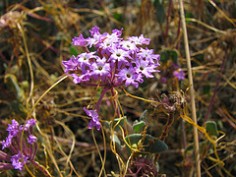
31, 139
141, 40
129, 46
101, 69
145, 68
79, 41
29, 123
94, 31
94, 122
71, 65
18, 161
120, 56
128, 76
13, 130
85, 59
179, 74
6, 143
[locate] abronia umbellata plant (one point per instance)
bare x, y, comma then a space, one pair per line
110, 62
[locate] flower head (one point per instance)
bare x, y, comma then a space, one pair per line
114, 61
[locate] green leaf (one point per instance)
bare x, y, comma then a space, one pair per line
207, 89
160, 11
118, 17
211, 128
116, 140
133, 138
74, 50
138, 127
147, 142
169, 55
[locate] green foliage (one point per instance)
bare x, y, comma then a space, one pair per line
169, 55
146, 143
211, 128
138, 126
74, 51
160, 11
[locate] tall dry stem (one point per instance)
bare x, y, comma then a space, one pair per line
192, 92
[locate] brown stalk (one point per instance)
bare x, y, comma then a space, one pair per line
192, 92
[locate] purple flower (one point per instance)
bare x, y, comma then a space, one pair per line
100, 69
79, 41
31, 139
110, 40
123, 61
120, 56
85, 77
71, 65
129, 76
29, 123
117, 32
111, 61
128, 46
6, 143
141, 40
147, 54
13, 130
179, 74
20, 152
18, 161
94, 122
95, 31
85, 58
145, 68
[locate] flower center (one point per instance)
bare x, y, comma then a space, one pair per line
118, 54
128, 75
100, 68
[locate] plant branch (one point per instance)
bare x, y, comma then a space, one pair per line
192, 92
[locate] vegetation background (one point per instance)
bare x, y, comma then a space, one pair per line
35, 36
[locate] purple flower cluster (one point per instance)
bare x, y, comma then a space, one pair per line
114, 61
20, 141
111, 61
